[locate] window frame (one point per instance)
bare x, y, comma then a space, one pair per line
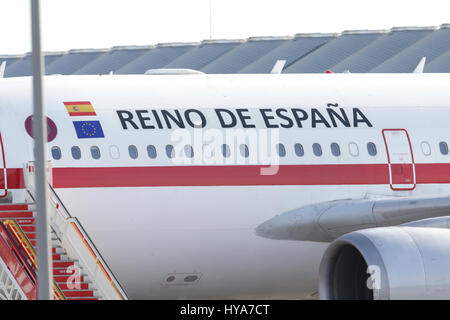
134, 148
72, 152
92, 154
319, 149
339, 153
58, 149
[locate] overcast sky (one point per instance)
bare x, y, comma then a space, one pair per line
70, 24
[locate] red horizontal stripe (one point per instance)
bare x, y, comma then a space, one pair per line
343, 174
77, 103
432, 173
73, 114
13, 207
219, 176
9, 214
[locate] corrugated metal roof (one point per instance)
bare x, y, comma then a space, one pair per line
380, 50
207, 51
291, 51
73, 60
10, 58
113, 60
440, 64
22, 67
431, 47
334, 51
396, 50
158, 57
241, 56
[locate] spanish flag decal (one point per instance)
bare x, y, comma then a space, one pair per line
80, 108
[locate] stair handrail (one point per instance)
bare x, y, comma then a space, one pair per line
23, 240
30, 252
16, 265
13, 284
65, 222
57, 293
79, 245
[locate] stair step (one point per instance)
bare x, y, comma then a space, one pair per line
23, 221
78, 293
63, 264
67, 273
60, 257
58, 250
30, 235
13, 207
74, 286
26, 228
15, 214
63, 278
63, 271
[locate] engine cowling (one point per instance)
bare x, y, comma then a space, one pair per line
387, 263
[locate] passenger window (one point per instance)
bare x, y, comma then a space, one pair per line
56, 153
335, 150
95, 152
243, 148
170, 151
443, 147
225, 151
353, 149
299, 150
132, 151
372, 149
114, 152
76, 153
151, 151
317, 150
426, 148
189, 151
208, 151
281, 150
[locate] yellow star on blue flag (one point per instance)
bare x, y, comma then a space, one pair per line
88, 129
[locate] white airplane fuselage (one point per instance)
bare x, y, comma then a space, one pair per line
153, 218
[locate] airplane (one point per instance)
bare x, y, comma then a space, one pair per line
270, 186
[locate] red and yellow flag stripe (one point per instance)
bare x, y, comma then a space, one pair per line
80, 108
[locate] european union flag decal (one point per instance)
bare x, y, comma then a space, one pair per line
88, 129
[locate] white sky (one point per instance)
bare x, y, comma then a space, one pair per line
71, 24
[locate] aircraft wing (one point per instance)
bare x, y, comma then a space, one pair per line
324, 222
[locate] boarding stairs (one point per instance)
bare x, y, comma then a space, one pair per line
79, 271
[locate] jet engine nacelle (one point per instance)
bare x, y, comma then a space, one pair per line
387, 263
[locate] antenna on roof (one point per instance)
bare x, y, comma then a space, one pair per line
2, 69
278, 67
420, 66
210, 19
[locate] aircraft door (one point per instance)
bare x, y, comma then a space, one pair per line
400, 159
